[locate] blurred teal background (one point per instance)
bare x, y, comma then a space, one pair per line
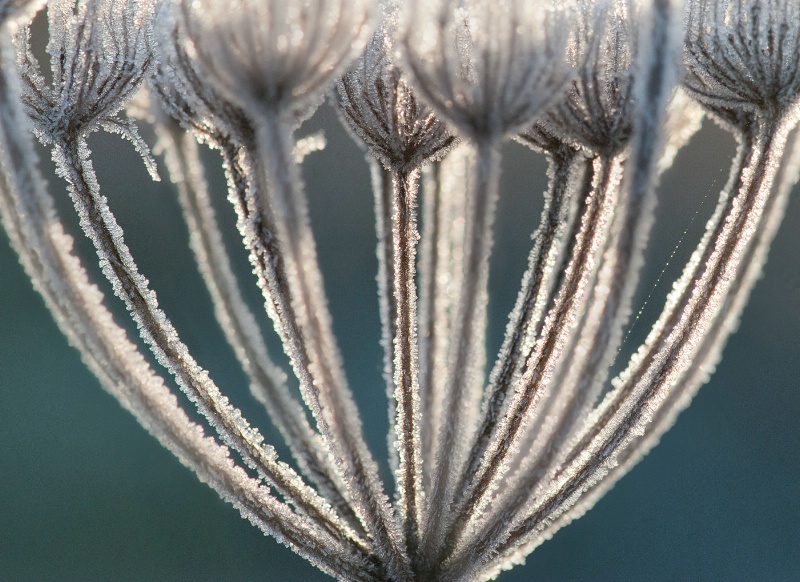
86, 494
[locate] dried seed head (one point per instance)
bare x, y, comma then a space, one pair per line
99, 55
383, 110
181, 90
742, 57
487, 66
276, 54
597, 110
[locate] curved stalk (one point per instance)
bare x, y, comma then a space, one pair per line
267, 382
710, 350
629, 407
595, 222
546, 261
44, 249
326, 394
118, 266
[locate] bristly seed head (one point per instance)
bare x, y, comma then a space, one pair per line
384, 111
180, 89
99, 54
488, 67
597, 109
276, 54
741, 57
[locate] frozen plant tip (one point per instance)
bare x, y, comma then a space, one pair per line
486, 464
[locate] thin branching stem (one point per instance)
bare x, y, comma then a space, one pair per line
595, 222
118, 266
485, 469
44, 248
545, 262
239, 324
441, 270
629, 406
457, 420
708, 353
382, 188
327, 395
405, 185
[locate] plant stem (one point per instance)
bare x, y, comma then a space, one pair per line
327, 395
405, 235
629, 407
239, 324
44, 248
456, 424
118, 266
595, 221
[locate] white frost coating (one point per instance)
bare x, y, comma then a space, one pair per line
738, 54
382, 191
92, 89
328, 396
488, 69
487, 66
751, 175
623, 415
471, 499
44, 250
308, 145
441, 267
621, 262
406, 368
618, 424
566, 405
555, 334
272, 74
384, 111
684, 388
596, 113
88, 88
248, 52
684, 119
267, 381
402, 133
128, 130
603, 93
225, 126
466, 356
118, 266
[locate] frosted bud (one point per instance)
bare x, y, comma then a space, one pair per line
180, 89
278, 55
99, 55
596, 111
488, 66
384, 111
741, 57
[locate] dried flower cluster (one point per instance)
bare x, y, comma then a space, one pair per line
487, 463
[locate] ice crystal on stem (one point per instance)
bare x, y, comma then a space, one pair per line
402, 133
291, 51
489, 74
486, 466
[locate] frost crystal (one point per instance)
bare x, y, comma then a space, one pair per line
486, 466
